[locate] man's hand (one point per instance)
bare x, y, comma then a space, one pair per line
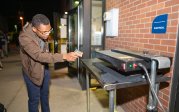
72, 56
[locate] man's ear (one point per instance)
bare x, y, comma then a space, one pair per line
34, 29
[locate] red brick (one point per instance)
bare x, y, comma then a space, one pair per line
161, 36
145, 10
173, 16
136, 12
125, 10
149, 14
172, 29
137, 2
168, 42
151, 2
122, 31
135, 31
148, 46
132, 26
148, 36
133, 8
148, 25
157, 6
136, 21
174, 23
143, 1
160, 47
171, 2
164, 11
154, 41
143, 15
165, 97
139, 35
146, 20
130, 5
161, 1
126, 2
129, 14
128, 31
144, 40
165, 103
132, 18
142, 5
139, 45
172, 36
128, 39
171, 49
146, 30
175, 8
165, 91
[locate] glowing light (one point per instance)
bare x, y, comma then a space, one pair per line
21, 18
60, 27
22, 21
76, 2
66, 12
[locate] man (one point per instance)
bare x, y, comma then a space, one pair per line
1, 66
35, 56
1, 49
2, 43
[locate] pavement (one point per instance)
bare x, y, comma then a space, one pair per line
65, 92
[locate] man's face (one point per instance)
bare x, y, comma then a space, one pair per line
43, 31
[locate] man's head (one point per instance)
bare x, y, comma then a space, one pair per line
41, 26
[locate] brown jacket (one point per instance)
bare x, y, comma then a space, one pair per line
33, 57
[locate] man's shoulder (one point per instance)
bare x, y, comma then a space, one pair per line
24, 34
25, 37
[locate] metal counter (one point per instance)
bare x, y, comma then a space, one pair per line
127, 81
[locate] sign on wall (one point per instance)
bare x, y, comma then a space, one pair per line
159, 24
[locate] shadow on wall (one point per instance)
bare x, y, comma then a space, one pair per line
126, 95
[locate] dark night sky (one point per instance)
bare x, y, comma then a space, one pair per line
11, 9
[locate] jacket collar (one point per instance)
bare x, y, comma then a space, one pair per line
28, 29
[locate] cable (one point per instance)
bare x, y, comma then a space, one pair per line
152, 89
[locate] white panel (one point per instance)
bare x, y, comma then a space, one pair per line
63, 30
111, 18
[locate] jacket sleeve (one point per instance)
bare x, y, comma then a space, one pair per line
28, 45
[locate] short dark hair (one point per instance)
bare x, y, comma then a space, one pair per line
40, 19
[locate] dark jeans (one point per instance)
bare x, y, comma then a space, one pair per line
38, 94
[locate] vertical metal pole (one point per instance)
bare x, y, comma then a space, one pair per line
78, 44
156, 90
115, 101
112, 100
88, 91
152, 100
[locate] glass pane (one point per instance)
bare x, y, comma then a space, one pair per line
73, 32
97, 27
75, 22
72, 39
80, 27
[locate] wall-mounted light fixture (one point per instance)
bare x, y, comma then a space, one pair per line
77, 2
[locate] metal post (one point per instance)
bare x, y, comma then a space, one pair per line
88, 91
156, 90
112, 100
78, 45
115, 101
152, 104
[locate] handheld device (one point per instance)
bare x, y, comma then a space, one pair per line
79, 52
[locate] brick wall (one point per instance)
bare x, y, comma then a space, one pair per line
135, 21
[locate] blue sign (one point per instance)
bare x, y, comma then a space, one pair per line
159, 24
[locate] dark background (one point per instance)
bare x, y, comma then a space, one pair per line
11, 10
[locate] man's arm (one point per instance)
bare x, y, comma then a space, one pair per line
34, 51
